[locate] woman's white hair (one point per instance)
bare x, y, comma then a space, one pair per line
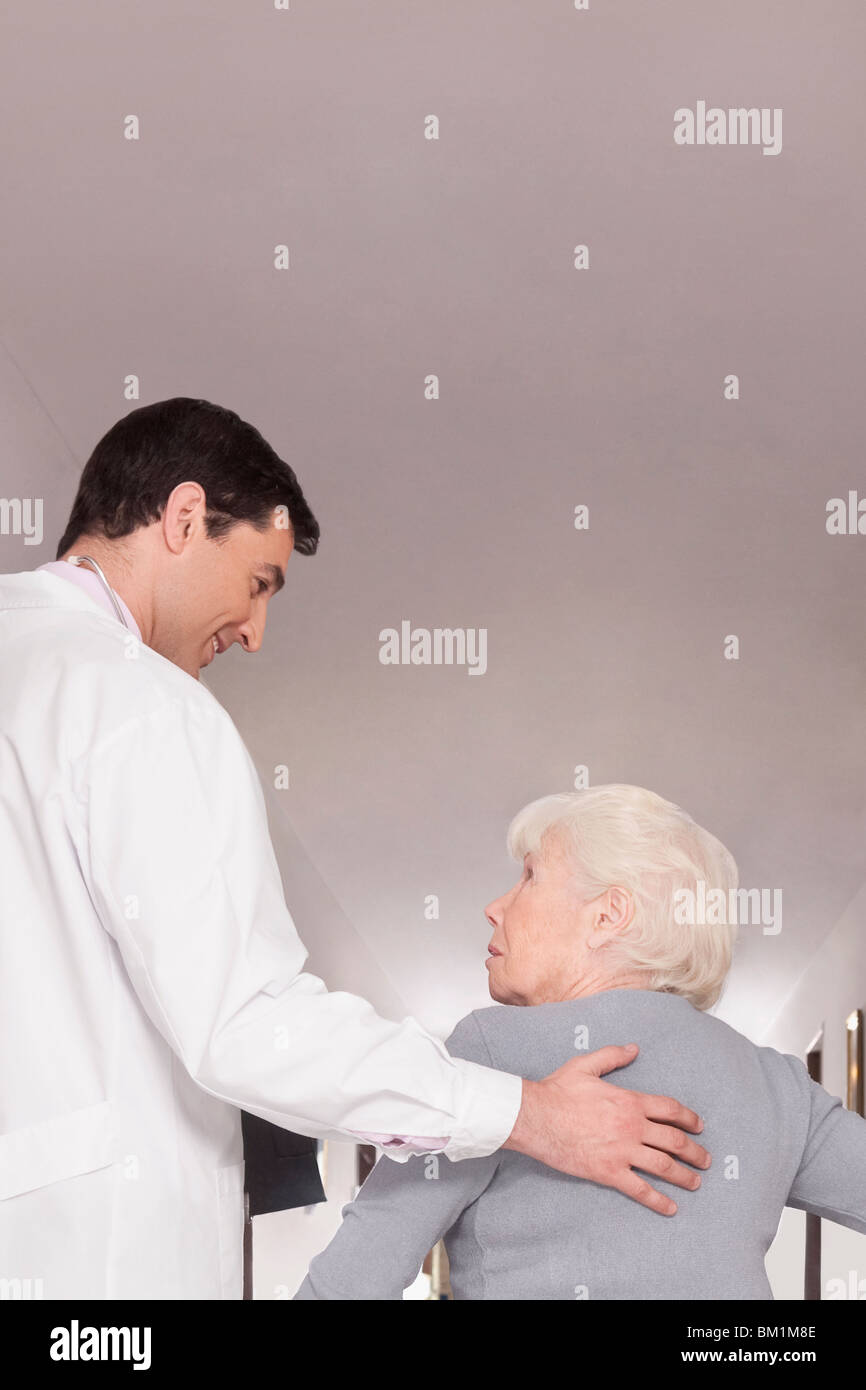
630, 838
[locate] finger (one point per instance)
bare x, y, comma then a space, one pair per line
636, 1187
607, 1059
670, 1112
662, 1165
676, 1142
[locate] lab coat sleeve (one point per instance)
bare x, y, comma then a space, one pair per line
170, 825
400, 1213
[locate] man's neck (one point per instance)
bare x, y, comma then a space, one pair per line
120, 572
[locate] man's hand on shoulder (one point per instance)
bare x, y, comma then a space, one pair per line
574, 1121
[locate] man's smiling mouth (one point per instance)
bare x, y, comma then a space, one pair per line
214, 648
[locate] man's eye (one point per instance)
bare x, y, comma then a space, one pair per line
263, 585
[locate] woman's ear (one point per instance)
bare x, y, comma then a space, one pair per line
620, 908
614, 913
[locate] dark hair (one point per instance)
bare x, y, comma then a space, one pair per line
135, 466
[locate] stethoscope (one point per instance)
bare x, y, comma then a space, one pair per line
79, 559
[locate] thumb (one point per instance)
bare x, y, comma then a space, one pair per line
608, 1058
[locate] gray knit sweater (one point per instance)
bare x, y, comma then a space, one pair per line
515, 1229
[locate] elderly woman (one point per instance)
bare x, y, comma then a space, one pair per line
591, 945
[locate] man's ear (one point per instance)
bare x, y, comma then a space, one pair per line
185, 507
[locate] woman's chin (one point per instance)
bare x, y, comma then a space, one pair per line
493, 991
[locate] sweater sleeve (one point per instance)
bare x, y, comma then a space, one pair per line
831, 1178
400, 1212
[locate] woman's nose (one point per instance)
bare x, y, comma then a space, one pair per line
493, 912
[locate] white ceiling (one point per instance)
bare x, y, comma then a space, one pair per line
603, 387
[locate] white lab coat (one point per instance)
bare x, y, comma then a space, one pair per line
151, 978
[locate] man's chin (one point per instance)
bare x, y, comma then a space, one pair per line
190, 666
204, 660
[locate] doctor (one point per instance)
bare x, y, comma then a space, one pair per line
152, 978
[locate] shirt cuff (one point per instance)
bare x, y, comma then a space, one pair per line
412, 1143
487, 1112
488, 1103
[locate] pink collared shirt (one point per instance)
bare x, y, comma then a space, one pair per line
89, 581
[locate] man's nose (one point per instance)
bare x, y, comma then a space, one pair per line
250, 635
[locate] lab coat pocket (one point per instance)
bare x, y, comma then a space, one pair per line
230, 1218
63, 1147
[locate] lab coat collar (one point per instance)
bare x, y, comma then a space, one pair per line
43, 589
85, 579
